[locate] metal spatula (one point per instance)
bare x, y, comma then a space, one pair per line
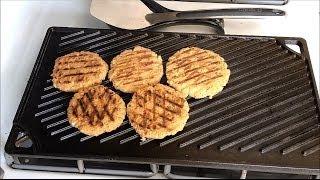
131, 14
232, 13
235, 13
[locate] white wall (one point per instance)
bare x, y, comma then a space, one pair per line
23, 27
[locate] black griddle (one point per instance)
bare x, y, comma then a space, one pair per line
265, 119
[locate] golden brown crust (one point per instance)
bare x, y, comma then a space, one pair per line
134, 69
197, 72
78, 70
157, 111
96, 110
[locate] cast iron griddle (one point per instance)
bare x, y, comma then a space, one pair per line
266, 119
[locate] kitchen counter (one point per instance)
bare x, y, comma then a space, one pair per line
24, 24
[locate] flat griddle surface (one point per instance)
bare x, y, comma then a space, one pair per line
266, 118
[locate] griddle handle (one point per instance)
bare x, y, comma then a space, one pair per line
300, 42
11, 147
304, 53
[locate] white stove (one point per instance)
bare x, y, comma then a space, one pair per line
28, 21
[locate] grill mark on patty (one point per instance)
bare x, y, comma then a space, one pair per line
84, 111
180, 60
137, 80
129, 64
154, 106
168, 100
131, 75
114, 109
89, 96
207, 65
105, 108
142, 105
159, 97
128, 70
163, 123
188, 78
132, 58
209, 79
78, 74
86, 101
137, 53
80, 67
81, 57
70, 61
